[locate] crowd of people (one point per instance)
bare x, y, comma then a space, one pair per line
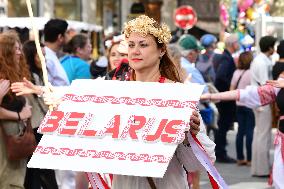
239, 86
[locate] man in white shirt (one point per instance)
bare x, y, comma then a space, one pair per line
54, 35
261, 71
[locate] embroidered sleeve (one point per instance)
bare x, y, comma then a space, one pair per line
207, 143
254, 96
266, 94
186, 156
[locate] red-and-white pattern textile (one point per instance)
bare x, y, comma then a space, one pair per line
99, 181
279, 140
266, 94
256, 96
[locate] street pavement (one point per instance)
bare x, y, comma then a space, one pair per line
237, 177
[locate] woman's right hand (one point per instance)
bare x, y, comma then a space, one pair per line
26, 87
213, 97
51, 100
276, 83
205, 96
26, 112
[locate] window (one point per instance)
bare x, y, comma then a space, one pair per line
68, 9
18, 8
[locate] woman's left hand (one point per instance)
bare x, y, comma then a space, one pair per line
194, 123
276, 83
194, 126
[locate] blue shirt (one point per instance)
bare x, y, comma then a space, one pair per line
75, 68
196, 76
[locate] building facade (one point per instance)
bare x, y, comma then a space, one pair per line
112, 14
207, 14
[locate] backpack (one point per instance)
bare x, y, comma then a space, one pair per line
206, 68
207, 114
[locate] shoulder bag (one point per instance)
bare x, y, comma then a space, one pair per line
20, 146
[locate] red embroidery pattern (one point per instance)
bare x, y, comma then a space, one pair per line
87, 122
266, 94
130, 101
279, 140
125, 131
101, 154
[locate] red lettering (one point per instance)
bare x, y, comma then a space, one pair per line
140, 120
51, 123
71, 123
89, 133
151, 138
172, 128
113, 127
88, 118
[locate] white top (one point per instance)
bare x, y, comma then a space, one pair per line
261, 69
56, 74
175, 176
254, 96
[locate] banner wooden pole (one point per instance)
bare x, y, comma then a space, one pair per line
38, 47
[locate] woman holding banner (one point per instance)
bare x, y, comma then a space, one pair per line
149, 61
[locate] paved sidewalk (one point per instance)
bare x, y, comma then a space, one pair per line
237, 177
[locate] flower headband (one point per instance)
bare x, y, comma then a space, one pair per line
145, 25
115, 39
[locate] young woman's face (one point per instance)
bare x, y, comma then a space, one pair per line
18, 52
115, 57
143, 52
86, 51
37, 59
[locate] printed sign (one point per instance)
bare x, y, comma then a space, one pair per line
128, 128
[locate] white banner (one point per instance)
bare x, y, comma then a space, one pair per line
128, 128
